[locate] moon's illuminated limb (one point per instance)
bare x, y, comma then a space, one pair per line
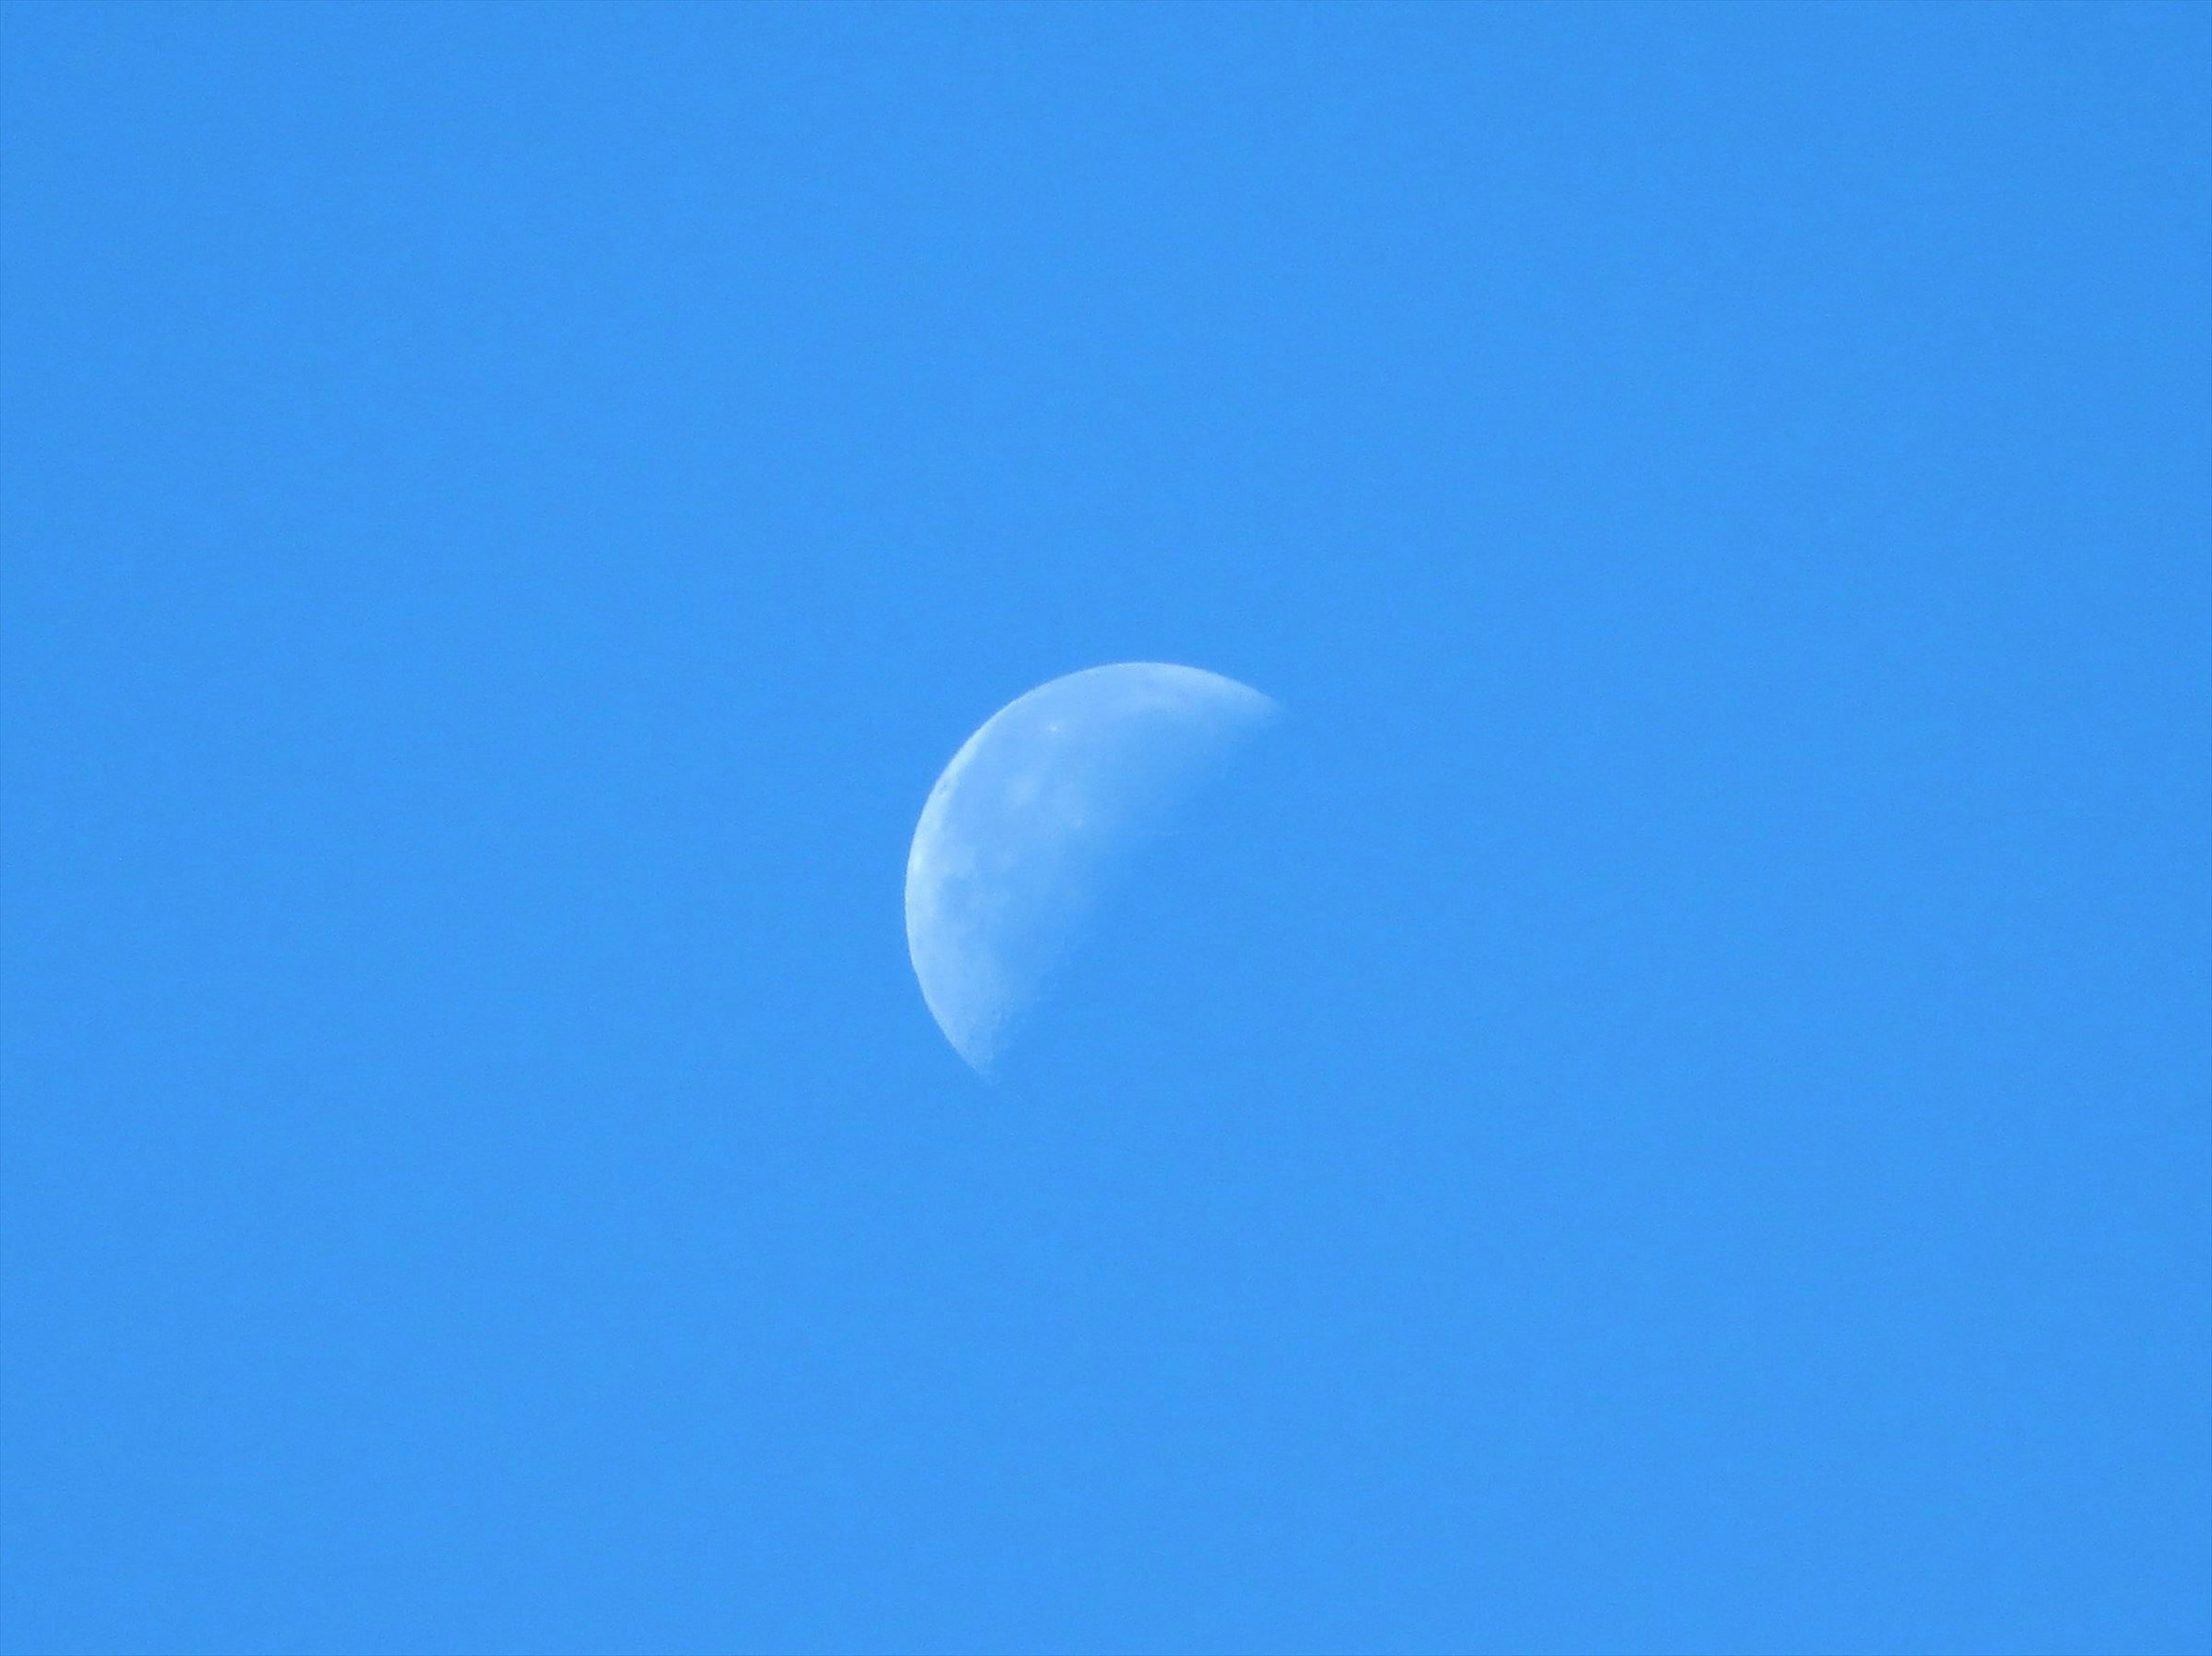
1028, 815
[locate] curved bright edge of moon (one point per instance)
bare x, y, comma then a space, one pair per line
1030, 810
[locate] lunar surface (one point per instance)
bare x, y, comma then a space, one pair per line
1031, 818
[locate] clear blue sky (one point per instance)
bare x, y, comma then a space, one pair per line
1666, 1113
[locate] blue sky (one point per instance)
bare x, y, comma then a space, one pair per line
1665, 1111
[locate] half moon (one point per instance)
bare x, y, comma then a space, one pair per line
1031, 816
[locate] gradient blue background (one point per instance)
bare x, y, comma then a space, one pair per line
1665, 1112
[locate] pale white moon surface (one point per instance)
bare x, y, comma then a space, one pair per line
1032, 815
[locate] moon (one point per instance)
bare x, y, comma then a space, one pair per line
1032, 815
